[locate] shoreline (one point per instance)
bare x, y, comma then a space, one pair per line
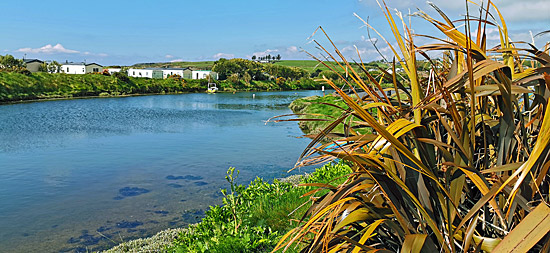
19, 88
158, 242
129, 95
90, 97
166, 237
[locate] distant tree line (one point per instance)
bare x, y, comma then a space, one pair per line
268, 58
247, 70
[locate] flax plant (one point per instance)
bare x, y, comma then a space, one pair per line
457, 159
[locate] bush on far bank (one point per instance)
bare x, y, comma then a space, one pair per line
30, 86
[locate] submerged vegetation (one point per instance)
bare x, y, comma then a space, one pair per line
456, 161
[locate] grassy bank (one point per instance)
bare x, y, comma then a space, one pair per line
19, 87
252, 218
321, 109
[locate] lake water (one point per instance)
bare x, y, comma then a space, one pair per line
85, 174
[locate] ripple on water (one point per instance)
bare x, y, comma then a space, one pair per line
186, 177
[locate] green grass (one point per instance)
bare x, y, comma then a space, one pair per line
253, 218
309, 65
316, 107
313, 65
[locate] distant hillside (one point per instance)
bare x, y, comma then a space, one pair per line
313, 65
309, 65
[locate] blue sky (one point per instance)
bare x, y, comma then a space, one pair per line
128, 32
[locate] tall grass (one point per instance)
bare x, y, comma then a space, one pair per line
457, 160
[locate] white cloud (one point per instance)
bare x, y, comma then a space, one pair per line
292, 49
223, 55
176, 60
48, 49
512, 10
169, 56
266, 52
525, 10
93, 54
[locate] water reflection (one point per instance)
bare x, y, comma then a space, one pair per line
129, 167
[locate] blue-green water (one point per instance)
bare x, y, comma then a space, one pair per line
76, 172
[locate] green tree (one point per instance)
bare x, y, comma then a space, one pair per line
43, 67
226, 68
53, 67
9, 62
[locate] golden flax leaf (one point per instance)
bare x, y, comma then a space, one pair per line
283, 239
529, 231
494, 90
481, 185
480, 69
506, 167
413, 243
361, 214
368, 234
470, 233
378, 104
479, 204
487, 244
473, 120
455, 35
397, 129
541, 145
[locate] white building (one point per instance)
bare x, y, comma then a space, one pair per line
146, 73
113, 70
80, 68
203, 74
182, 72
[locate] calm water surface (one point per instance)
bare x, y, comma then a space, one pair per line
76, 175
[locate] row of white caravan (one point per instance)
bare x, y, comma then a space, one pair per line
160, 73
186, 73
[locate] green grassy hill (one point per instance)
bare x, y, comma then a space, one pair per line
313, 65
309, 65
